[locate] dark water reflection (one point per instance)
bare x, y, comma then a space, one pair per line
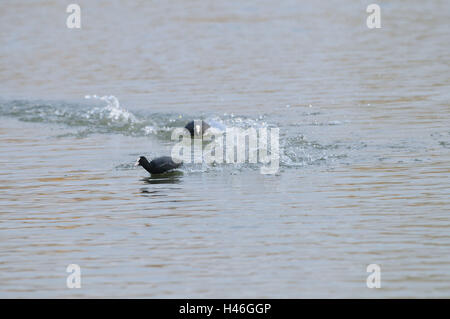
167, 178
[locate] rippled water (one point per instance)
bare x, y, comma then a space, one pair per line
364, 149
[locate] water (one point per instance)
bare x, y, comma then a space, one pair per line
364, 149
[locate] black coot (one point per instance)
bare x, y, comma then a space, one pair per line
158, 165
195, 129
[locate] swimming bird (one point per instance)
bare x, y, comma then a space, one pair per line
158, 165
196, 128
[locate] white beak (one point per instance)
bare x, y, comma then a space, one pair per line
137, 163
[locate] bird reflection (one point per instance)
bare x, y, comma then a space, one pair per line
173, 177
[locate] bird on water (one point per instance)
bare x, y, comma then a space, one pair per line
158, 165
166, 163
197, 128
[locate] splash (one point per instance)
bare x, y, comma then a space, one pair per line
112, 111
105, 115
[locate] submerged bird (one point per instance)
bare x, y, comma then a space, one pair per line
158, 165
198, 128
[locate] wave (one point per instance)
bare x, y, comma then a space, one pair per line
104, 114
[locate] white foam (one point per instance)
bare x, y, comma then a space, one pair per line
112, 110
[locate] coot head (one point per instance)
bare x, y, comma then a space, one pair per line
141, 161
197, 128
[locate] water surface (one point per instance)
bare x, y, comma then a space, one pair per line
364, 135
